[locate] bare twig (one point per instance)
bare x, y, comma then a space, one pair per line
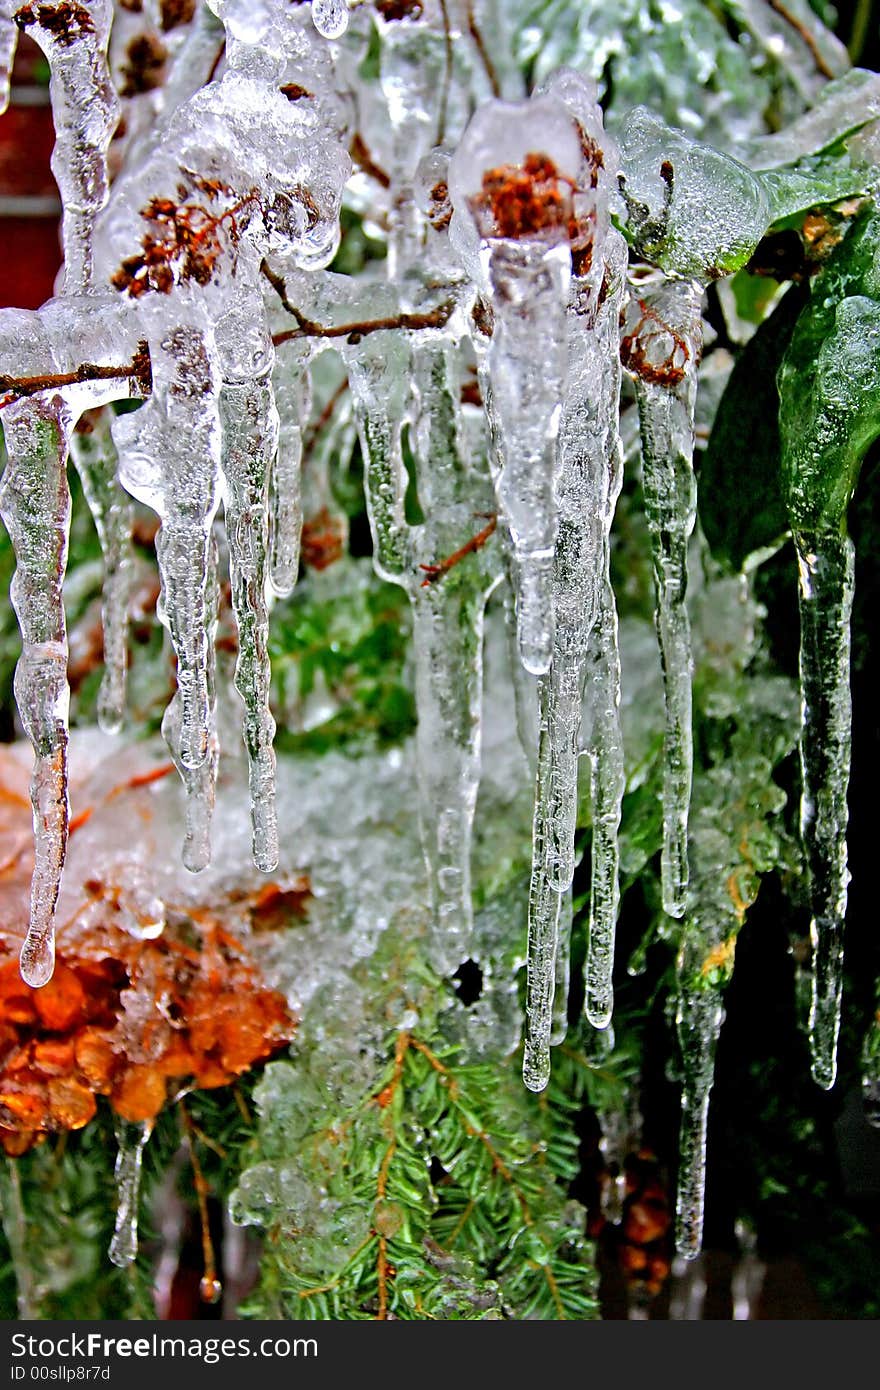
435, 572
16, 388
800, 28
308, 328
480, 45
366, 163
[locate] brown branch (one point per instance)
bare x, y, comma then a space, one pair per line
216, 63
634, 356
383, 1100
366, 163
447, 74
210, 1287
308, 328
311, 437
801, 29
16, 388
435, 572
480, 45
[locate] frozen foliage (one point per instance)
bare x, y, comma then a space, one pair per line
530, 252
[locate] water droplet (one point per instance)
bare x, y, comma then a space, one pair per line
330, 17
210, 1289
38, 960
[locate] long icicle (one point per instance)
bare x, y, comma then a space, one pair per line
35, 506
448, 613
85, 112
829, 387
249, 423
94, 454
191, 464
698, 1020
607, 781
663, 354
825, 588
588, 486
290, 383
169, 458
199, 783
530, 286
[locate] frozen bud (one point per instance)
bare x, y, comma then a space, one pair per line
432, 188
514, 177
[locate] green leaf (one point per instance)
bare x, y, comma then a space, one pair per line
812, 182
829, 385
740, 497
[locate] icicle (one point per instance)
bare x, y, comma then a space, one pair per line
662, 349
586, 491
290, 385
15, 1228
131, 1139
199, 783
448, 647
871, 1065
544, 910
250, 432
448, 611
414, 77
8, 45
526, 271
85, 111
35, 506
530, 285
378, 377
826, 581
559, 1022
169, 459
330, 17
698, 1021
829, 389
607, 782
94, 454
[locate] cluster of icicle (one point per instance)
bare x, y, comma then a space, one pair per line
196, 244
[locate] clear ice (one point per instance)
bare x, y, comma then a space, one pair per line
662, 346
131, 1139
481, 369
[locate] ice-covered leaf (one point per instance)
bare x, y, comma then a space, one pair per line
740, 501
